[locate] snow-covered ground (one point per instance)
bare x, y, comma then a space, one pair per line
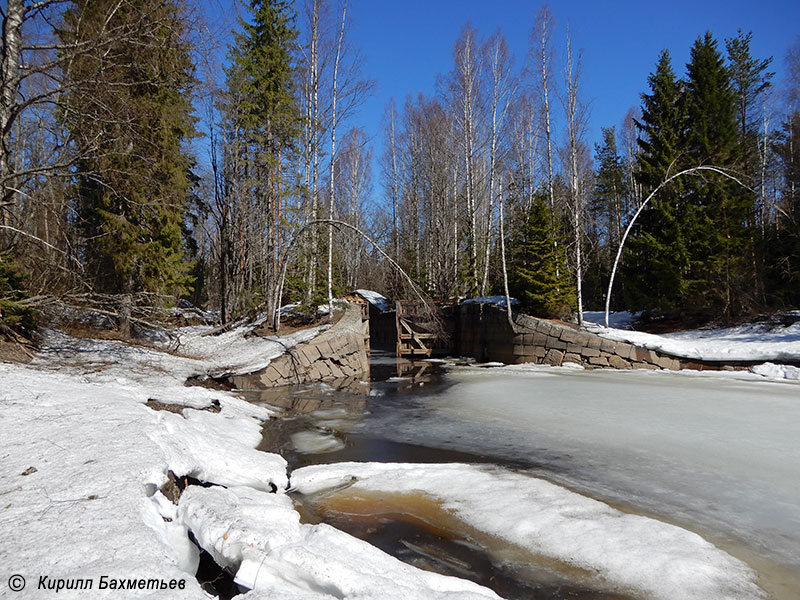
750, 342
84, 459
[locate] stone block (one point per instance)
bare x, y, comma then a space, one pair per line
571, 357
618, 362
553, 357
303, 359
590, 352
594, 341
598, 361
555, 344
570, 336
574, 348
539, 339
640, 354
644, 365
539, 351
609, 346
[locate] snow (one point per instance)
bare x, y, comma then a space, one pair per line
773, 371
259, 537
750, 342
653, 558
616, 320
494, 300
377, 300
84, 461
236, 353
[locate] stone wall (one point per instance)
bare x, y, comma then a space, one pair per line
484, 333
336, 355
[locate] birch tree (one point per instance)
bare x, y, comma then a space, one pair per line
576, 124
502, 87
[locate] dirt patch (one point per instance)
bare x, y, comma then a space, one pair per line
178, 408
16, 352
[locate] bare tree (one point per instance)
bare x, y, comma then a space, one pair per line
542, 51
576, 125
502, 87
465, 99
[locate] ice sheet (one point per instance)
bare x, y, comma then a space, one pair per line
713, 451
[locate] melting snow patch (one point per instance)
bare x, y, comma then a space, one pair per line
637, 553
259, 537
315, 442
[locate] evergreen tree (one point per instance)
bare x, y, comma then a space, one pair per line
13, 314
715, 226
783, 241
657, 258
260, 123
262, 72
131, 187
609, 201
539, 276
750, 79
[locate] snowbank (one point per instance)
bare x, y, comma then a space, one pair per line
751, 342
259, 537
616, 320
655, 559
236, 353
773, 371
84, 458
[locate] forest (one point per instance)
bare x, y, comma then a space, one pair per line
487, 186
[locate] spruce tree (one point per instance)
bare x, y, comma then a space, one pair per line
538, 276
715, 226
132, 184
656, 256
260, 123
609, 201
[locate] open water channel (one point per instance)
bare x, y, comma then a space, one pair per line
716, 454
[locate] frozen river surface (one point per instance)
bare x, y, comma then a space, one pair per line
718, 454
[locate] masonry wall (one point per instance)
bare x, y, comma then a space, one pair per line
484, 332
336, 355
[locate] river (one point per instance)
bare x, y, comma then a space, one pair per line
716, 454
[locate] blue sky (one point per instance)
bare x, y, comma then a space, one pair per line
407, 43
